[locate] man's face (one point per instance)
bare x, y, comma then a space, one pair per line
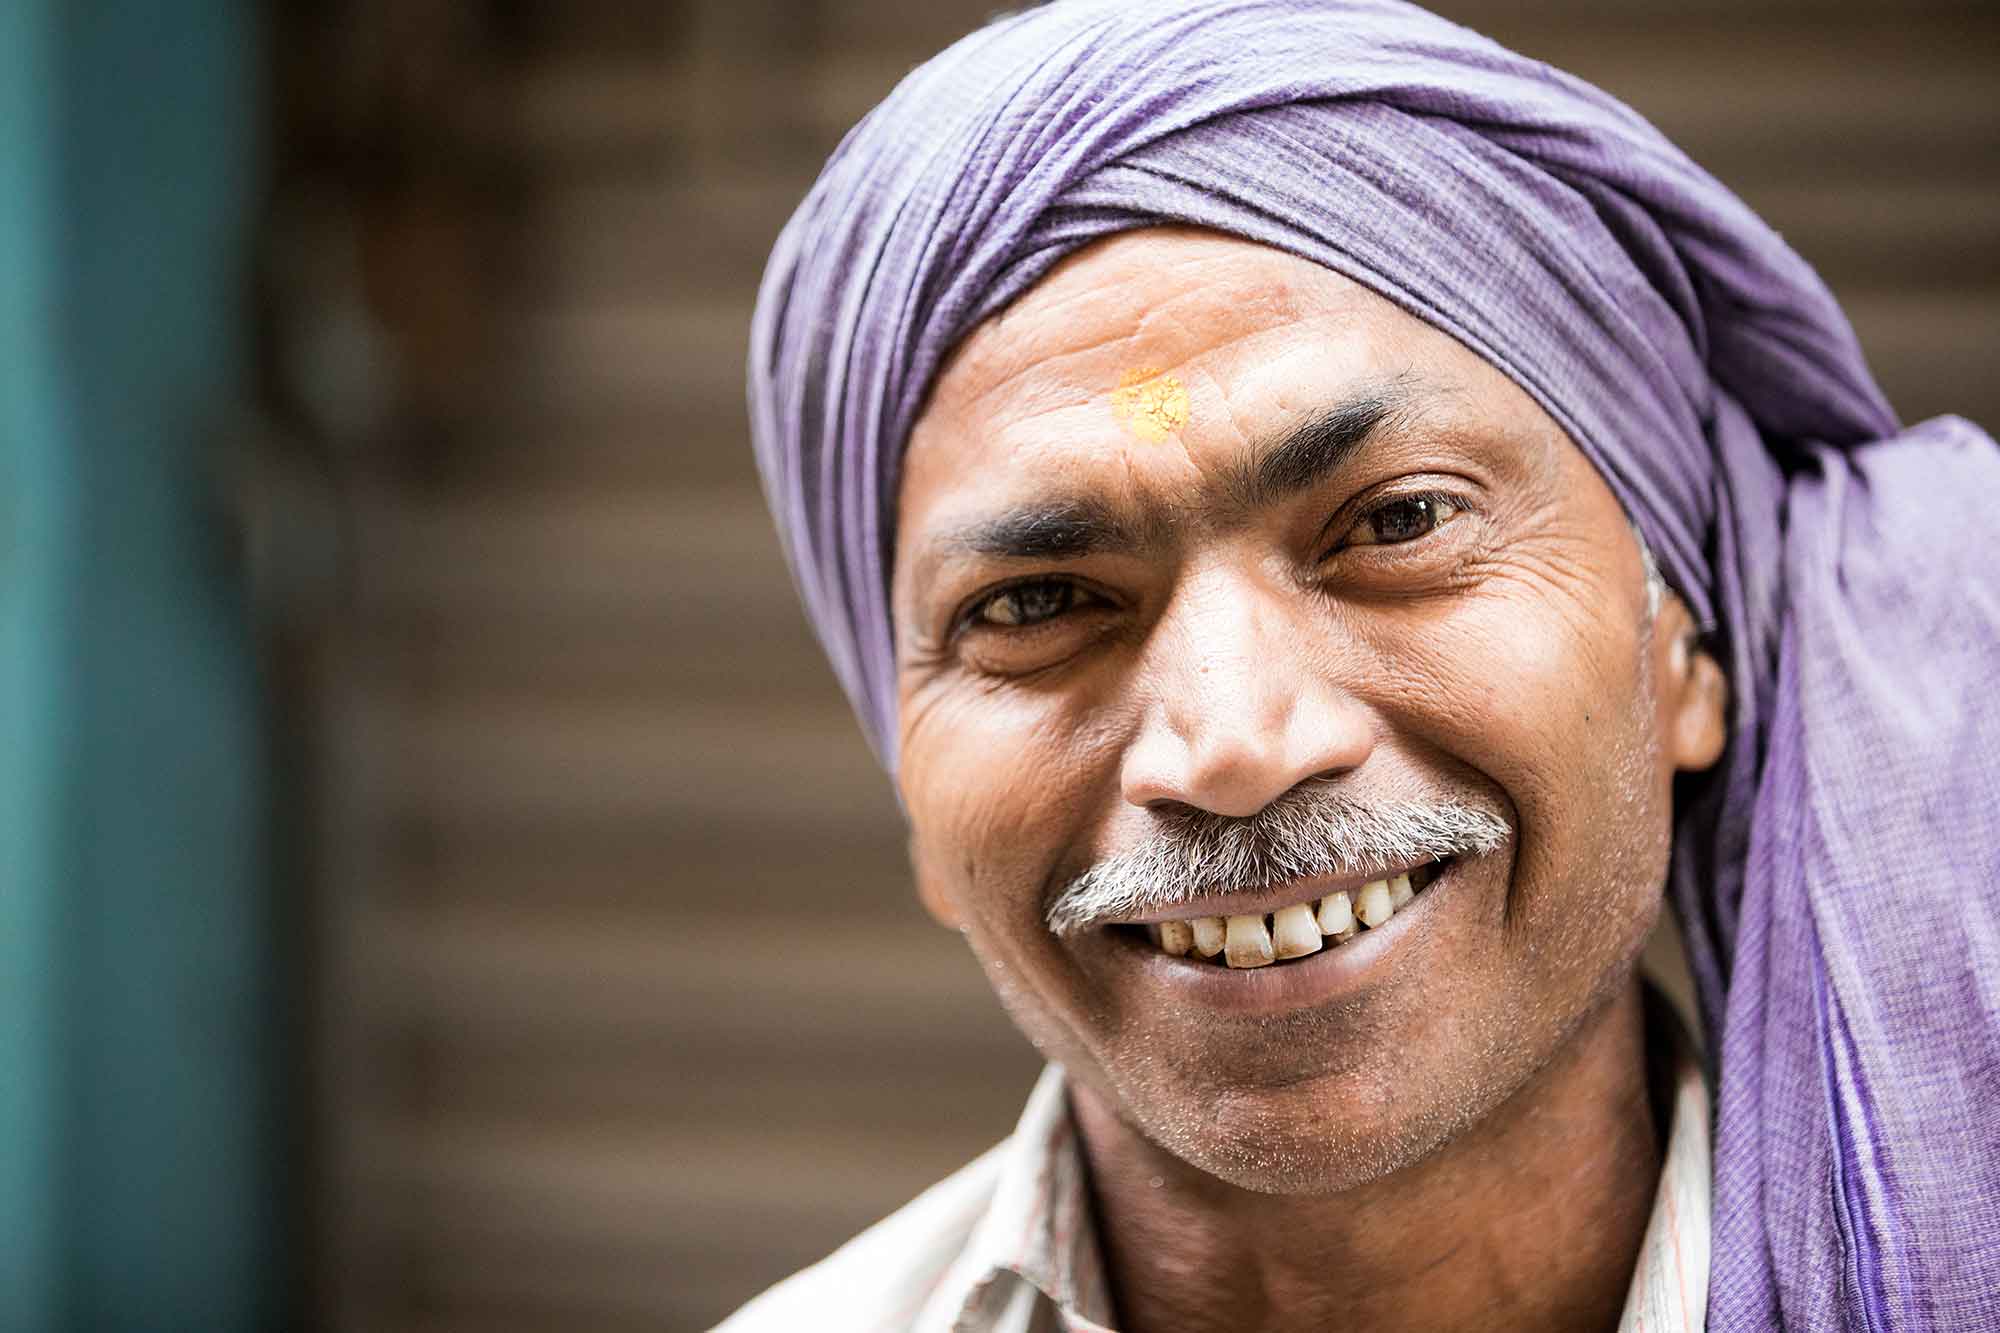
1130, 590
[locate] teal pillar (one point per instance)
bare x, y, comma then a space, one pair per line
135, 934
34, 545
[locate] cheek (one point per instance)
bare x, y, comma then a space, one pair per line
1003, 794
1564, 649
999, 786
1522, 694
1551, 706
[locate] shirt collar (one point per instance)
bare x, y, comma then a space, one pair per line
1038, 1239
1669, 1291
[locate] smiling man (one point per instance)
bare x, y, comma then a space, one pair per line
1331, 524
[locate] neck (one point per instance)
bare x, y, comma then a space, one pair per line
1531, 1220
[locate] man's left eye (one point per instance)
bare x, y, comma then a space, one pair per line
1403, 519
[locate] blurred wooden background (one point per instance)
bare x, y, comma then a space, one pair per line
620, 1007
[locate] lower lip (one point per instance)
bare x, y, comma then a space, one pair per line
1336, 972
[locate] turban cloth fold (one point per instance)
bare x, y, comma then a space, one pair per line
1836, 876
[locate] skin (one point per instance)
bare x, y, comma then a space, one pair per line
1462, 1139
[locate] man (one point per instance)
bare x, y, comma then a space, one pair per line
1329, 523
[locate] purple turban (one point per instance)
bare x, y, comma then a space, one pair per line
1838, 876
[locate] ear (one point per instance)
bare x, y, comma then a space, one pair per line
1694, 694
931, 882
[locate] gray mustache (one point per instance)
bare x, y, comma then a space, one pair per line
1312, 830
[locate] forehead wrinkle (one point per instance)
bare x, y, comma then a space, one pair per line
1003, 361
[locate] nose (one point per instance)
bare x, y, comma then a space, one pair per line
1240, 705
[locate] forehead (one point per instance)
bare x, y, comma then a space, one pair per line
1157, 359
1212, 312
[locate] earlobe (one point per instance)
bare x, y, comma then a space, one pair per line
1699, 726
1693, 695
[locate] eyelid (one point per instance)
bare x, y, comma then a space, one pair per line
1349, 516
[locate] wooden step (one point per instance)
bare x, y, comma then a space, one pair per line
554, 967
680, 764
862, 872
765, 657
920, 27
683, 362
1925, 234
1743, 90
575, 557
1932, 351
628, 1081
507, 448
671, 237
602, 1223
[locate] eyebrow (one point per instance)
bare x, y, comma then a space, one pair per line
1319, 445
1066, 528
1070, 527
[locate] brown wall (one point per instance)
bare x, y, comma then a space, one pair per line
623, 1006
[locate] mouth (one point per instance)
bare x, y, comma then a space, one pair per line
1291, 932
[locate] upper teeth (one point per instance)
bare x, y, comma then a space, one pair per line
1289, 932
1247, 944
1208, 935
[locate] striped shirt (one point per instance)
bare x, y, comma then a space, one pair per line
1006, 1245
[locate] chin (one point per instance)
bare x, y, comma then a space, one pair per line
1319, 1163
1320, 1136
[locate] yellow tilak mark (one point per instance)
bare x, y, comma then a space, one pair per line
1152, 405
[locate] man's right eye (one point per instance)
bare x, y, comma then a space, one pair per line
1023, 605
